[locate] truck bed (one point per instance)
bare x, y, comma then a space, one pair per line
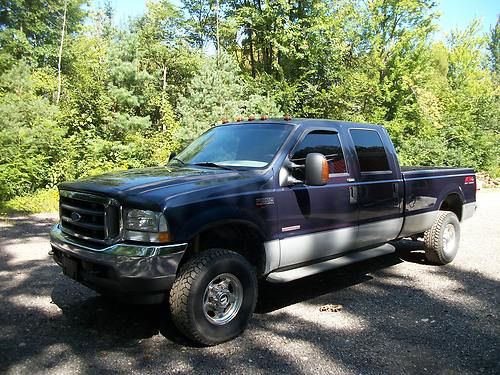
427, 187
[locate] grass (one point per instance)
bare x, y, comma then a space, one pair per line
46, 200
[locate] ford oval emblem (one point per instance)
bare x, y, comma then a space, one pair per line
75, 216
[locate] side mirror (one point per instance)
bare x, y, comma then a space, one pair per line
316, 169
172, 155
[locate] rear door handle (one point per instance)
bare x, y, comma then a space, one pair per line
395, 192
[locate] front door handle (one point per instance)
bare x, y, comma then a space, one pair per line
353, 194
350, 179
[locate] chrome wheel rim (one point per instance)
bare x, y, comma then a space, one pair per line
222, 299
449, 238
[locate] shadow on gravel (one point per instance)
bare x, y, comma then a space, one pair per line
276, 296
412, 251
118, 319
16, 228
48, 321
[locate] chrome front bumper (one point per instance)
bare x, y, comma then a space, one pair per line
141, 273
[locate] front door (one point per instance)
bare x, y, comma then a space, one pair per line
317, 222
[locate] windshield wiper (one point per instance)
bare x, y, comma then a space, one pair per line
212, 164
179, 160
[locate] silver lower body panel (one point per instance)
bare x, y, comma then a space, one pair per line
301, 272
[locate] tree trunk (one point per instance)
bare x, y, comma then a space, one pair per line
252, 58
63, 31
217, 29
164, 87
271, 57
249, 32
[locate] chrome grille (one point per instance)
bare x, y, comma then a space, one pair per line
89, 216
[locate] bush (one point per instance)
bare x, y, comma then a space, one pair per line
45, 200
30, 137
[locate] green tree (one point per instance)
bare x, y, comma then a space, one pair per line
40, 22
30, 138
164, 54
219, 91
494, 47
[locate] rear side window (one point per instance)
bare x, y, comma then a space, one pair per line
325, 142
370, 150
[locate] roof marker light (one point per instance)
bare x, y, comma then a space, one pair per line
287, 117
239, 119
225, 120
251, 118
264, 117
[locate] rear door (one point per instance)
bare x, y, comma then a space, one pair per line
378, 185
317, 222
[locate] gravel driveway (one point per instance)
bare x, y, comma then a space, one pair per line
399, 315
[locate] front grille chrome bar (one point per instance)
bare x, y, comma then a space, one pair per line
82, 210
83, 225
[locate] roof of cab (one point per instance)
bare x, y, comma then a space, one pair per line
307, 123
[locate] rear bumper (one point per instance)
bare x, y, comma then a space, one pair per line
137, 273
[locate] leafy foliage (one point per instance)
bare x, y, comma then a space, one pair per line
132, 95
218, 91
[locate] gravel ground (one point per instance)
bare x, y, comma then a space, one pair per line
399, 315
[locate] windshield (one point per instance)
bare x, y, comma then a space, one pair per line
242, 145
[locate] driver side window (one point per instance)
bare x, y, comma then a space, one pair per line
324, 142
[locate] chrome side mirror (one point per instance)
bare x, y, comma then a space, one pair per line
316, 170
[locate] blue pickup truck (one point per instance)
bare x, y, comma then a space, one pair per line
272, 199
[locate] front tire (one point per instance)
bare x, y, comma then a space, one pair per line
214, 296
442, 239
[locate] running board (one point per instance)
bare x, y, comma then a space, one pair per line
299, 273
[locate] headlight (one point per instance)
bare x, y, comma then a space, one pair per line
146, 226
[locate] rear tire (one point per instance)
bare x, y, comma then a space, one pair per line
214, 296
442, 239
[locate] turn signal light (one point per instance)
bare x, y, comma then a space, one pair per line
325, 172
164, 237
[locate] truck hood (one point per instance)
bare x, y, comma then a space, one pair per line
152, 187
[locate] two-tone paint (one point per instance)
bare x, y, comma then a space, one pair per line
298, 225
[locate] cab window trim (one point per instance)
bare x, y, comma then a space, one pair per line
371, 173
326, 129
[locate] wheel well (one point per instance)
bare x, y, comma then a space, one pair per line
453, 203
238, 237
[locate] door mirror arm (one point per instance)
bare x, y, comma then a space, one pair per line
291, 165
315, 170
286, 173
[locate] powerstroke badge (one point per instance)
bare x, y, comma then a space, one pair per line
259, 202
